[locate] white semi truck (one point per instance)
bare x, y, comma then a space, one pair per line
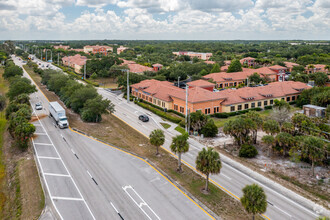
58, 113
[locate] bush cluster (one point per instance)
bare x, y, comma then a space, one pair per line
82, 99
248, 151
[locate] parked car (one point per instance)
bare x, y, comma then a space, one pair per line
38, 106
144, 118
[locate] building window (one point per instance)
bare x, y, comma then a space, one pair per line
293, 98
259, 104
154, 101
207, 111
158, 103
239, 107
221, 85
235, 83
282, 98
182, 109
288, 99
253, 105
175, 107
226, 84
232, 108
216, 109
265, 103
163, 104
246, 106
271, 102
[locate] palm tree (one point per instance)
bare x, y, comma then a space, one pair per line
254, 199
208, 161
180, 145
254, 116
314, 149
269, 140
157, 138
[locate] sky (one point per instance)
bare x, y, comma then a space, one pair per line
165, 19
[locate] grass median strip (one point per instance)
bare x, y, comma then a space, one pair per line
116, 132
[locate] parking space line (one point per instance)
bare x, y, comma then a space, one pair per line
67, 198
56, 174
50, 158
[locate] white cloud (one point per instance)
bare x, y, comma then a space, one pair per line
180, 19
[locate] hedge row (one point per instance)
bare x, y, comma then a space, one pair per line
229, 114
159, 112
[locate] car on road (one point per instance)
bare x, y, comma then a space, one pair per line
38, 106
47, 65
144, 118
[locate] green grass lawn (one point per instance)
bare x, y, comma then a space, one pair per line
165, 125
180, 129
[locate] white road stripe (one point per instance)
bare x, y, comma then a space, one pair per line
67, 198
44, 144
56, 174
51, 158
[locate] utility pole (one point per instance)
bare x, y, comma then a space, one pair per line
187, 108
46, 55
51, 55
179, 81
41, 54
85, 70
127, 71
58, 59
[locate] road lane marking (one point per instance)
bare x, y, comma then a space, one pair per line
143, 203
51, 158
56, 174
68, 198
225, 176
116, 211
44, 144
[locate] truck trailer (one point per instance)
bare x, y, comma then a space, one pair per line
58, 113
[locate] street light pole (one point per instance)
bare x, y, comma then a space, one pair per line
85, 70
46, 55
187, 108
179, 81
51, 55
127, 71
58, 59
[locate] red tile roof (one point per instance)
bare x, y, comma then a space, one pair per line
200, 83
209, 62
290, 64
278, 67
134, 67
76, 59
247, 58
275, 89
157, 65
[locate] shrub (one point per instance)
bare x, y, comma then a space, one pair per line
220, 115
269, 107
248, 151
210, 129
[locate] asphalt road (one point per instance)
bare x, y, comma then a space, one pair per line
87, 179
279, 206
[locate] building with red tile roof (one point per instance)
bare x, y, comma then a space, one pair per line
209, 62
157, 67
313, 68
135, 67
76, 62
166, 95
249, 61
202, 84
98, 49
290, 65
64, 47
